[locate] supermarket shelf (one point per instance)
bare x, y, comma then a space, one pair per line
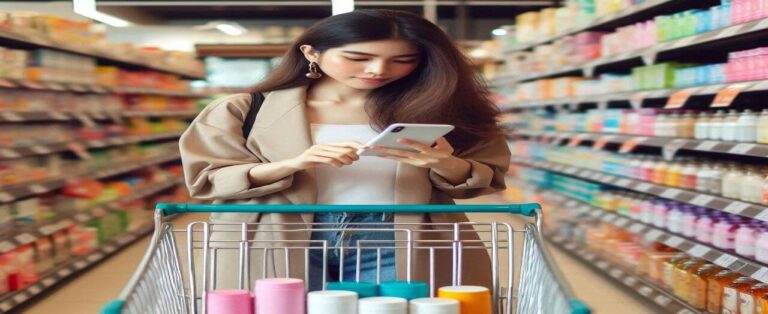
34, 150
15, 192
74, 266
730, 148
29, 41
35, 116
635, 10
648, 55
744, 266
638, 96
90, 88
32, 233
755, 211
642, 287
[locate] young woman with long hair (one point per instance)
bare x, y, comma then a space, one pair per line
342, 82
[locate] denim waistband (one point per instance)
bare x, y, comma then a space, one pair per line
354, 217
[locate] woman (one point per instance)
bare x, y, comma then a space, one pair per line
343, 81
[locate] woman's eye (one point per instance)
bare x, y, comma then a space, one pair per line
406, 61
357, 60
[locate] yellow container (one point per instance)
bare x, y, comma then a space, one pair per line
472, 299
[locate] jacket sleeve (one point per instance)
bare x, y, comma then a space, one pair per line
214, 156
489, 163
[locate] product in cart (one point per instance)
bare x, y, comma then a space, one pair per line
279, 295
229, 302
434, 306
403, 289
383, 305
332, 302
363, 289
472, 299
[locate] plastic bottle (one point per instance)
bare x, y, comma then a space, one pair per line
747, 127
682, 287
724, 234
731, 293
668, 269
670, 129
704, 228
761, 247
688, 175
764, 303
659, 125
699, 279
729, 126
752, 186
715, 286
673, 175
732, 182
701, 127
702, 177
744, 242
749, 300
686, 126
714, 183
660, 172
762, 128
716, 126
674, 219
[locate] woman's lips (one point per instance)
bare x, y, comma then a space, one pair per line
372, 81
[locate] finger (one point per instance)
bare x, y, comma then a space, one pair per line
327, 161
443, 144
350, 152
340, 157
355, 145
396, 152
416, 145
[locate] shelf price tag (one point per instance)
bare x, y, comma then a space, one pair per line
674, 241
726, 260
726, 96
11, 116
653, 235
631, 144
706, 145
761, 274
671, 193
702, 200
630, 281
79, 149
85, 120
635, 228
763, 215
576, 140
6, 246
644, 187
25, 238
736, 207
670, 149
741, 149
699, 250
601, 142
679, 98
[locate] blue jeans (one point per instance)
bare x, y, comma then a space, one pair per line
335, 239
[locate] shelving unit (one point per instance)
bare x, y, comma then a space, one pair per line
736, 207
34, 150
706, 48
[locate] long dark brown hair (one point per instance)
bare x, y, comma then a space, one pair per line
442, 89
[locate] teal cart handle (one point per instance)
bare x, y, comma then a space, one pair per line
520, 209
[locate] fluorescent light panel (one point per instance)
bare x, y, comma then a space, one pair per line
87, 8
231, 29
342, 6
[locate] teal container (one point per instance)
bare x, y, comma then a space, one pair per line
363, 289
403, 289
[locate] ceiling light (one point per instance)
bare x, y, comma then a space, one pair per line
231, 28
87, 8
499, 32
342, 6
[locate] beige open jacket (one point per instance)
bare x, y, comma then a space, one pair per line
217, 159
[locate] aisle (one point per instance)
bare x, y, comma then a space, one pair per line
90, 291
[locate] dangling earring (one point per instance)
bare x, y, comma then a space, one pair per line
313, 72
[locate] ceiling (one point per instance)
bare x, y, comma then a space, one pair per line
157, 12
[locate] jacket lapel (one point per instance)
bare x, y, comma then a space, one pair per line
281, 131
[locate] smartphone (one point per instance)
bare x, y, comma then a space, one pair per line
426, 134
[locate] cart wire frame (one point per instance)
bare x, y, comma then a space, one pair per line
158, 284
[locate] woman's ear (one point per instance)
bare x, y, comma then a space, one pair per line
310, 53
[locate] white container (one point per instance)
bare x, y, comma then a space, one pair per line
761, 247
744, 244
746, 127
332, 302
434, 306
383, 305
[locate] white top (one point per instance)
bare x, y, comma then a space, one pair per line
370, 180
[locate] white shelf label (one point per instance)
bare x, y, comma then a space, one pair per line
653, 235
674, 241
609, 218
9, 153
616, 273
58, 115
763, 24
20, 297
702, 200
621, 222
763, 215
662, 300
671, 193
630, 281
602, 265
726, 260
644, 187
64, 272
25, 238
728, 32
645, 291
37, 149
95, 257
11, 116
83, 217
6, 246
589, 257
699, 250
742, 148
635, 228
761, 274
34, 290
706, 145
80, 264
38, 188
48, 281
736, 207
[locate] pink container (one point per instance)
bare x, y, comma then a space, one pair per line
704, 229
229, 302
724, 235
280, 295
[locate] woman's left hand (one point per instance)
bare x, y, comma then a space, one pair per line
438, 158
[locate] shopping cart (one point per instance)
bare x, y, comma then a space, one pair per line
164, 284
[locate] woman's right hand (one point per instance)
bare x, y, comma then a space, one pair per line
333, 154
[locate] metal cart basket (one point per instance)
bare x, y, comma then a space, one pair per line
173, 278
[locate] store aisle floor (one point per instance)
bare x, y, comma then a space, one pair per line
90, 291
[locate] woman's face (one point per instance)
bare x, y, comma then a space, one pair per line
369, 65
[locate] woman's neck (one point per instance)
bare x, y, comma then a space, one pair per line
332, 92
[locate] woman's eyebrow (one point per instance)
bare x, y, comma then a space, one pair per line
373, 55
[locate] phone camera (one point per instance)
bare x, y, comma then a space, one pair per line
398, 129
